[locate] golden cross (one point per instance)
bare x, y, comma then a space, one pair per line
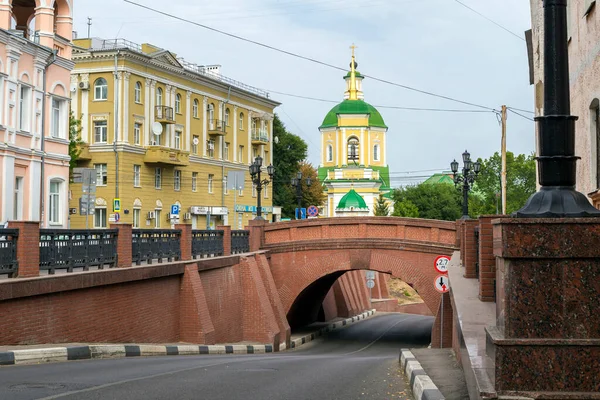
353, 47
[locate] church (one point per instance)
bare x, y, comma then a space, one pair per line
353, 168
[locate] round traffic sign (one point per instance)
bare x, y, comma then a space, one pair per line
370, 283
117, 217
441, 264
312, 211
442, 284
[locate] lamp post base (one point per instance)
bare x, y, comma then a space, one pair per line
259, 218
557, 202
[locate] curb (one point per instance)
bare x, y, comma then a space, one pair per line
336, 325
421, 384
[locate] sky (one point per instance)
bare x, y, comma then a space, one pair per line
437, 46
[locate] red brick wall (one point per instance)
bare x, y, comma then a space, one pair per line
330, 309
436, 341
195, 323
487, 260
470, 248
28, 247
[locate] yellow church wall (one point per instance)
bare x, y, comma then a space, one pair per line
353, 121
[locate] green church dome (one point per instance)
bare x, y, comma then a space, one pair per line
354, 107
358, 75
352, 200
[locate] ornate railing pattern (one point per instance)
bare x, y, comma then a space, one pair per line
155, 244
207, 243
8, 252
240, 242
68, 249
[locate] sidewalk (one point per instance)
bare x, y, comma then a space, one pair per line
445, 371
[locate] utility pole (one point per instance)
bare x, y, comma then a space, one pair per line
503, 151
89, 24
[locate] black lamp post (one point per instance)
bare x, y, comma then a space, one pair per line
469, 174
297, 183
255, 170
556, 159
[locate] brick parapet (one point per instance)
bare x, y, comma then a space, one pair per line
487, 260
124, 251
470, 248
28, 247
185, 241
257, 234
226, 239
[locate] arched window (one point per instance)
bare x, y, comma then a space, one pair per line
100, 89
137, 94
329, 153
253, 126
211, 115
241, 120
353, 150
159, 97
376, 152
178, 103
195, 108
227, 117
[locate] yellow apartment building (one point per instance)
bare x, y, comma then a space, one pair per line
186, 136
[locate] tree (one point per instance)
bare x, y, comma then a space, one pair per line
520, 184
441, 201
313, 195
381, 207
288, 152
74, 140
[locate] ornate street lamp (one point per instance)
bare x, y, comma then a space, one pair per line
255, 170
297, 183
557, 163
469, 174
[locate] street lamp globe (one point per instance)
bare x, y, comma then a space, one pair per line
454, 166
258, 161
477, 167
466, 157
308, 181
271, 170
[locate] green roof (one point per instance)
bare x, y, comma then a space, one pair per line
353, 107
440, 178
352, 200
358, 75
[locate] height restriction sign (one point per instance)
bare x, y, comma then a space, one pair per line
441, 264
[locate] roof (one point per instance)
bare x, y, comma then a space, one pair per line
352, 200
440, 178
358, 75
353, 107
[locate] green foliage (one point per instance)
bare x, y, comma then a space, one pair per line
288, 152
74, 140
381, 207
312, 195
440, 202
520, 184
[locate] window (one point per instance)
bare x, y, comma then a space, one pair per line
54, 203
226, 151
24, 103
253, 190
242, 121
159, 97
227, 117
137, 129
137, 93
194, 181
266, 157
100, 89
353, 150
266, 192
225, 185
195, 142
55, 118
177, 140
101, 174
210, 183
178, 103
136, 217
240, 191
155, 140
254, 152
157, 178
137, 171
100, 218
195, 108
177, 180
211, 116
241, 154
376, 152
240, 221
210, 148
329, 153
18, 203
254, 127
100, 131
157, 219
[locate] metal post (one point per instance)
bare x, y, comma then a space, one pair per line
466, 188
503, 151
442, 324
258, 202
87, 209
299, 193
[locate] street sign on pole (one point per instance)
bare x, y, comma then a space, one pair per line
370, 274
441, 264
312, 211
300, 213
175, 209
370, 283
442, 284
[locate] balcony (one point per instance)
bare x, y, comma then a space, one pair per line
84, 152
260, 136
217, 127
167, 156
164, 114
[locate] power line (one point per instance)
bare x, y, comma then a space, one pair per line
489, 19
520, 109
520, 115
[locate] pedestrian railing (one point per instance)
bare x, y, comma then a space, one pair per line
148, 245
65, 249
240, 242
207, 243
8, 252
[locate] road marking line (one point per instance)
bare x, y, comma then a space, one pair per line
382, 335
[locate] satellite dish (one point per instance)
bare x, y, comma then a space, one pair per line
157, 128
195, 141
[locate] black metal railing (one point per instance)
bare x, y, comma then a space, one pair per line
8, 252
69, 249
240, 242
477, 252
207, 243
155, 244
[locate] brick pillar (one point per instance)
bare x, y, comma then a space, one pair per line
470, 256
124, 257
226, 239
195, 323
257, 234
185, 241
487, 260
28, 247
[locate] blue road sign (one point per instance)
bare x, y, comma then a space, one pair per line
175, 209
300, 213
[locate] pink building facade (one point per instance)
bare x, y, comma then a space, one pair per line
35, 58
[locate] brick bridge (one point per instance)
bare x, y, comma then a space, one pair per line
294, 273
